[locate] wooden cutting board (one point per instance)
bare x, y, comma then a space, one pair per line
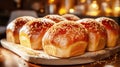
39, 57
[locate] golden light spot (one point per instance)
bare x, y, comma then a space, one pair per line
62, 11
71, 10
51, 1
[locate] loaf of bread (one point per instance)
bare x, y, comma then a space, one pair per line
31, 33
97, 34
13, 28
112, 29
65, 39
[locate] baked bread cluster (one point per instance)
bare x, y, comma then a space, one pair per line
63, 36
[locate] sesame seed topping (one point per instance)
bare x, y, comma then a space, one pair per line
108, 23
17, 23
91, 25
71, 17
55, 18
35, 27
67, 29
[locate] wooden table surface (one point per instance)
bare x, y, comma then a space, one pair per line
10, 59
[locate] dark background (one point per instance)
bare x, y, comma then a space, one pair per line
7, 6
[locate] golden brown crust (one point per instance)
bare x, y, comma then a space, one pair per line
69, 30
64, 37
33, 31
56, 18
109, 24
71, 17
14, 27
112, 30
97, 34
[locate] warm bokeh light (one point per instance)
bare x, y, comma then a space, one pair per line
94, 5
116, 11
116, 8
93, 9
108, 11
51, 1
62, 11
71, 10
82, 1
108, 0
41, 10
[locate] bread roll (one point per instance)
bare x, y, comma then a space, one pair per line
55, 18
12, 31
65, 39
97, 34
112, 30
31, 33
71, 17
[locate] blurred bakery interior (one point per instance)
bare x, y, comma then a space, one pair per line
10, 9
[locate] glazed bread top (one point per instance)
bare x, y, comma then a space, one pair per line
92, 26
109, 24
65, 33
37, 27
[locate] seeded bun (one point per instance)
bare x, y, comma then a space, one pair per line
112, 29
65, 39
97, 34
31, 33
13, 28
